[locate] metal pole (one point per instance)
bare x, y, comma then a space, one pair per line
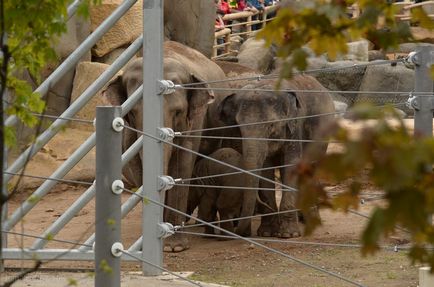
423, 84
108, 203
152, 247
426, 279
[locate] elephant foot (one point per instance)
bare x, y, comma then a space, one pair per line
289, 229
264, 231
176, 243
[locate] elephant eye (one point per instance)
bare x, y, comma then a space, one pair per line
178, 113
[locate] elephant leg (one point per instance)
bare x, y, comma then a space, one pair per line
269, 224
288, 222
207, 209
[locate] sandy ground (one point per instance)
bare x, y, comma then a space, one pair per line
233, 262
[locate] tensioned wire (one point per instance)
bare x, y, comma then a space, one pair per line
45, 238
279, 120
182, 180
395, 248
50, 178
275, 76
249, 240
227, 187
256, 139
159, 267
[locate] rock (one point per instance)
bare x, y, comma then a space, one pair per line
112, 56
374, 55
386, 78
125, 31
340, 76
86, 74
357, 51
422, 35
191, 22
46, 161
255, 55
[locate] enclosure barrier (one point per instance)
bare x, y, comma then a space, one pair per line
240, 25
153, 228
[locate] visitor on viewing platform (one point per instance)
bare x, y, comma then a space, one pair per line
223, 7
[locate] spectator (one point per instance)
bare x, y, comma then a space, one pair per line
223, 7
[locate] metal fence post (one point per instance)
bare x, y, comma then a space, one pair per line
423, 88
108, 199
152, 247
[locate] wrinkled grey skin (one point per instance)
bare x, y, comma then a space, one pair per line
184, 110
227, 202
256, 106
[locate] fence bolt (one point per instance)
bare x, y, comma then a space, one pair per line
165, 182
117, 249
166, 134
166, 87
117, 186
166, 229
118, 124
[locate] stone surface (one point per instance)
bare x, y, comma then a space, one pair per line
422, 35
86, 74
255, 55
125, 31
54, 153
374, 55
112, 56
357, 51
191, 22
340, 76
386, 78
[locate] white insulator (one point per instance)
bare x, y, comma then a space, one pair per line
118, 124
117, 186
117, 249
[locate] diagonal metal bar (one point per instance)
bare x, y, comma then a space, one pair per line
75, 56
322, 270
66, 167
74, 108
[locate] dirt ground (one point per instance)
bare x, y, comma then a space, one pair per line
233, 262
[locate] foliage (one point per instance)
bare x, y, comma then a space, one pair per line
325, 27
29, 31
395, 161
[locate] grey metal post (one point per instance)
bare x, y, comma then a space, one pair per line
152, 249
423, 83
108, 203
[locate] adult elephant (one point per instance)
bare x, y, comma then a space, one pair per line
184, 110
258, 102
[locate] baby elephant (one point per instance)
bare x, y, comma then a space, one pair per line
227, 202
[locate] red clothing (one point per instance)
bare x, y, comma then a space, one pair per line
242, 5
224, 7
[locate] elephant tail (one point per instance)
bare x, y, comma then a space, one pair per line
263, 203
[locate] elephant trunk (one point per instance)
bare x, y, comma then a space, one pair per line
254, 154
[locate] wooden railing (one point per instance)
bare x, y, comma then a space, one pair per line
240, 25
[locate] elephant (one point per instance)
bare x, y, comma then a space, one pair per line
227, 202
184, 110
273, 107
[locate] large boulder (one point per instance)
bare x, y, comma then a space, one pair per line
112, 56
357, 51
191, 22
255, 55
125, 31
339, 76
86, 74
387, 78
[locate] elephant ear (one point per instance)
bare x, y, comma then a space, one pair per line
227, 110
115, 93
198, 100
293, 110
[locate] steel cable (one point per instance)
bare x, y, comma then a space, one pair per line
46, 238
250, 241
256, 139
228, 187
51, 178
275, 76
323, 244
274, 121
